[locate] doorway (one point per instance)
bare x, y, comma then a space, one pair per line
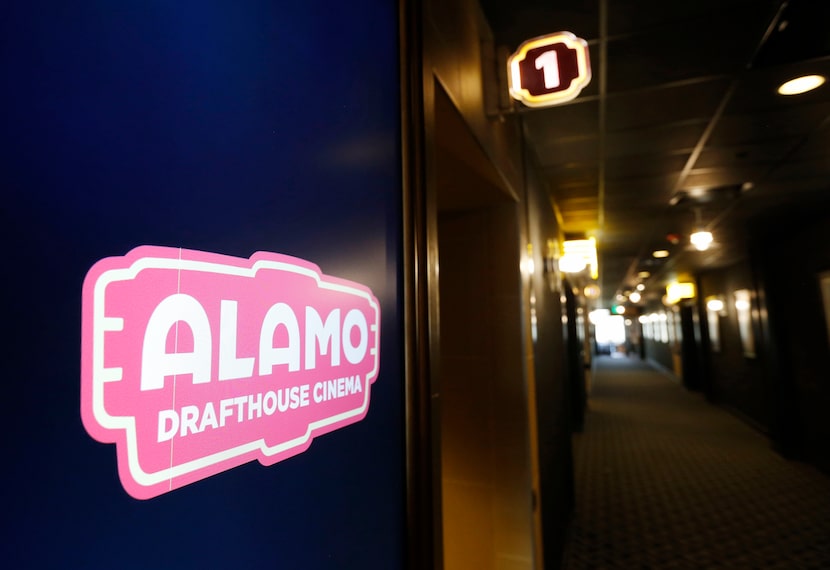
485, 474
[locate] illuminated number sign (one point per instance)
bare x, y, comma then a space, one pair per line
193, 363
549, 69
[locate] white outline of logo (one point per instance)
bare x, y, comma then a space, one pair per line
101, 375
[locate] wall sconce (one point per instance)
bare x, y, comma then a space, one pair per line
743, 308
531, 263
716, 305
715, 308
591, 291
551, 256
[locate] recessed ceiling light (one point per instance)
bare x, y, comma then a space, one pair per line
801, 85
644, 275
660, 253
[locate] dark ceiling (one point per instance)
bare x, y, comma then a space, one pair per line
681, 119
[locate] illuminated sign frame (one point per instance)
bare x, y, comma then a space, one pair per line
178, 353
583, 78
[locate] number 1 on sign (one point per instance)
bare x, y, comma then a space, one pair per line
549, 63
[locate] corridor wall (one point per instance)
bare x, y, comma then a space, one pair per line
736, 378
798, 321
779, 385
458, 60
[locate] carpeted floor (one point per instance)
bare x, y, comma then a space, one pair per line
665, 480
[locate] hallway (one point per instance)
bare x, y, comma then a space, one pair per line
666, 480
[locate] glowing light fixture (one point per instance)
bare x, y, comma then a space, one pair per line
571, 264
528, 264
714, 304
578, 254
634, 297
598, 315
644, 275
677, 291
591, 291
641, 286
701, 240
801, 85
660, 253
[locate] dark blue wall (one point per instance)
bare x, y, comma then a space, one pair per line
223, 127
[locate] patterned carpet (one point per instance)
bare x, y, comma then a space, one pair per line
665, 480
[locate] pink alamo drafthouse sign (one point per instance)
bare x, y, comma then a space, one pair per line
193, 363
